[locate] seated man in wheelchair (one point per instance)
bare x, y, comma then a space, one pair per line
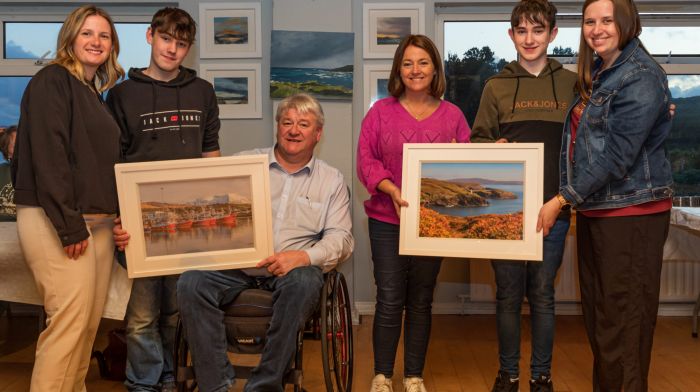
312, 234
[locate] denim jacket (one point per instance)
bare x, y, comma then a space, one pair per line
619, 154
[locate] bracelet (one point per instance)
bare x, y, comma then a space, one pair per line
562, 201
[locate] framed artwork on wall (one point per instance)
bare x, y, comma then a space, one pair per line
237, 87
384, 25
230, 30
472, 200
209, 214
376, 82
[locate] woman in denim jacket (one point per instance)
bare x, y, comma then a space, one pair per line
615, 171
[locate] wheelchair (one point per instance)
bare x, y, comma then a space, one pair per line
247, 319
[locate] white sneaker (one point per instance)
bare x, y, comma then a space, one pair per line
381, 384
413, 384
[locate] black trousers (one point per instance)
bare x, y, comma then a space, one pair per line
619, 274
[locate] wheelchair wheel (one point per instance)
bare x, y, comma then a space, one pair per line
336, 334
183, 362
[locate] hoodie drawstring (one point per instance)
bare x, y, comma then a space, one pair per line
154, 134
515, 96
554, 90
179, 115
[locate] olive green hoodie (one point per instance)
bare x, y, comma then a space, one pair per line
521, 107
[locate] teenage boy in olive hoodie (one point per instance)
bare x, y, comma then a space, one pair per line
165, 112
527, 102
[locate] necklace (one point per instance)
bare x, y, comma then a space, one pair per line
412, 112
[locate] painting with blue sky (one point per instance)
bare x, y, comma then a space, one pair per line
472, 200
231, 90
317, 63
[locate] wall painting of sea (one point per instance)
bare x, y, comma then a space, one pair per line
231, 90
382, 89
316, 63
231, 30
472, 200
392, 29
197, 215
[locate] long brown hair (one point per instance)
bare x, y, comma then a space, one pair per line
628, 25
110, 71
437, 86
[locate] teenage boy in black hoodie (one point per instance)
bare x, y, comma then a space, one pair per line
165, 112
528, 102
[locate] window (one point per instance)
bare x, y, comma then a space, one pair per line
24, 42
476, 46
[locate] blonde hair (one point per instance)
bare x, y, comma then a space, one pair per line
110, 71
628, 25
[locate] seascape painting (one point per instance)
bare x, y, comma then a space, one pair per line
231, 30
197, 215
231, 90
472, 200
317, 63
392, 29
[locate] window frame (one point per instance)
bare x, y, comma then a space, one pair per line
29, 67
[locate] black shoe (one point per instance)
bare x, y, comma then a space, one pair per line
542, 384
505, 383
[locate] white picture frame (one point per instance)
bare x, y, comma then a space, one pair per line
385, 24
237, 87
204, 214
373, 74
434, 224
230, 30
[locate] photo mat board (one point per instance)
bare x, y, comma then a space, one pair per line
472, 200
230, 30
206, 213
237, 88
384, 25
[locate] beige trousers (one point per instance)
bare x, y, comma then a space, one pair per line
74, 293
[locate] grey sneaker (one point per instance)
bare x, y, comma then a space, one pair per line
505, 383
413, 384
542, 383
381, 384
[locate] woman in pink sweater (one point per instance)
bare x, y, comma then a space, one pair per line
413, 114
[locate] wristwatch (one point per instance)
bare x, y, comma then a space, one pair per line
562, 201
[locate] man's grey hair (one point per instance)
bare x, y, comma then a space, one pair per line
302, 103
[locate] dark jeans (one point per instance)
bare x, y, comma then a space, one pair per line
514, 281
403, 283
151, 320
620, 278
201, 295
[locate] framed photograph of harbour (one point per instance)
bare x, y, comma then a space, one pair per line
472, 200
376, 79
208, 214
230, 30
237, 88
316, 63
386, 24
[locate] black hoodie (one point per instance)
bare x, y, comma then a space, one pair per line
177, 119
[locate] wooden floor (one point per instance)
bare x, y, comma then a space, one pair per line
462, 356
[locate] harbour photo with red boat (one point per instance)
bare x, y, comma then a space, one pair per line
197, 215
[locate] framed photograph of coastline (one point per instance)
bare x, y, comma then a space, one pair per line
205, 213
472, 200
230, 30
384, 25
237, 88
376, 79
